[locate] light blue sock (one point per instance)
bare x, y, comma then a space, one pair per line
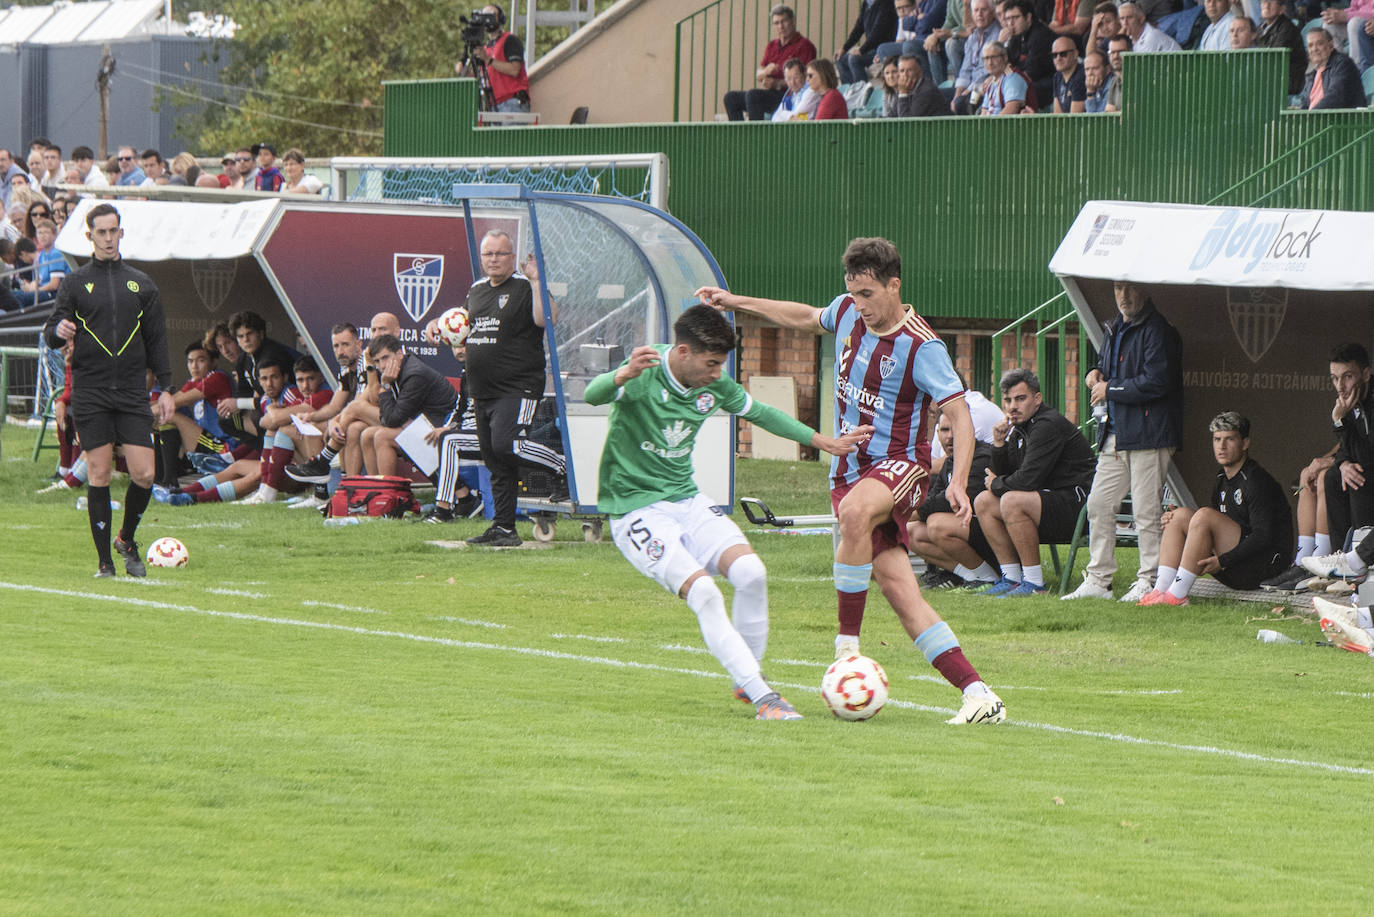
226, 491
852, 577
208, 482
935, 640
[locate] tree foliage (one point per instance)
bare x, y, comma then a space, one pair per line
309, 73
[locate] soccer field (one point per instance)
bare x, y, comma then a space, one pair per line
352, 721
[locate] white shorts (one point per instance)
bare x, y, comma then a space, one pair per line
668, 541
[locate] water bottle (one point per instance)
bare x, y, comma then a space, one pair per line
342, 520
1100, 412
81, 504
1273, 636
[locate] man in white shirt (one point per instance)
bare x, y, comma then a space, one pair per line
1218, 34
1145, 38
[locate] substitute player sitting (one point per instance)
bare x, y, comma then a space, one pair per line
889, 366
1245, 535
668, 530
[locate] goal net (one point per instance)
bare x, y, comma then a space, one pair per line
638, 176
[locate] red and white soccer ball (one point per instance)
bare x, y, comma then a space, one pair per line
168, 552
855, 688
454, 326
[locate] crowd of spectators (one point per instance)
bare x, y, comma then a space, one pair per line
36, 206
1000, 57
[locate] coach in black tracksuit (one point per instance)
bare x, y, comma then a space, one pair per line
505, 373
111, 314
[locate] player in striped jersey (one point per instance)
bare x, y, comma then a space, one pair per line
889, 367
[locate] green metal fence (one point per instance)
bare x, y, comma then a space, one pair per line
977, 205
718, 47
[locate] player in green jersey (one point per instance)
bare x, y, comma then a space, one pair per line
668, 530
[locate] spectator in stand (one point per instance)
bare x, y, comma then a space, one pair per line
130, 175
799, 103
53, 171
770, 79
915, 24
269, 177
1217, 36
1118, 46
297, 182
1028, 51
944, 47
410, 388
247, 169
1358, 20
505, 60
12, 227
880, 97
1242, 539
1098, 82
8, 169
1005, 90
228, 173
185, 170
876, 23
1278, 31
153, 166
906, 31
38, 210
1243, 33
1071, 17
1070, 83
821, 77
61, 209
1106, 23
35, 163
84, 171
1037, 485
1145, 38
917, 95
973, 73
1333, 81
49, 264
1139, 377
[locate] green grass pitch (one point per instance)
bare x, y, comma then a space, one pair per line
313, 720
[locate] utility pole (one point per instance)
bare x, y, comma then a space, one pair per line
102, 82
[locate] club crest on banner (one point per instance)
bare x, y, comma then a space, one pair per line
1099, 224
418, 278
1256, 315
213, 279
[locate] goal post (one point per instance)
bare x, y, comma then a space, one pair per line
430, 179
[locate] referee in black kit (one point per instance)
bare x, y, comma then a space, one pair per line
113, 315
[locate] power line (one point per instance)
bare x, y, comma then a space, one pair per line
245, 89
264, 114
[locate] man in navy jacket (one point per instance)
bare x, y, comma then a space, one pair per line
1139, 377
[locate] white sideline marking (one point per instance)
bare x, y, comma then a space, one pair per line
209, 525
679, 648
798, 662
367, 611
1364, 694
469, 621
238, 592
589, 637
653, 667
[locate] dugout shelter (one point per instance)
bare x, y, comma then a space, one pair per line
1260, 296
619, 270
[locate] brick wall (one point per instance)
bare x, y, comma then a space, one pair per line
768, 350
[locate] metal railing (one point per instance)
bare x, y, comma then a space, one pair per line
1295, 156
1053, 386
6, 354
718, 47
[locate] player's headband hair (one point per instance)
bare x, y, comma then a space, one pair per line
279, 364
247, 319
383, 342
1014, 377
1350, 353
200, 345
98, 211
704, 330
876, 257
342, 327
307, 364
1230, 422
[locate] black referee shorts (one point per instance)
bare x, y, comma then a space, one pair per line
102, 417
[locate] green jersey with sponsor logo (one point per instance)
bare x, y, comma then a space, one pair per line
653, 429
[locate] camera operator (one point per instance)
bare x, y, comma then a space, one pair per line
505, 63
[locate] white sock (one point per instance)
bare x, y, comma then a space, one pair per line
1321, 544
1355, 563
724, 642
977, 687
268, 493
749, 607
1033, 575
1012, 572
1307, 545
1165, 578
1182, 583
985, 573
845, 638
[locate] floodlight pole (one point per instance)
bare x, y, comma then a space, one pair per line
102, 82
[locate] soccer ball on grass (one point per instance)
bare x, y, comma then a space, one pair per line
854, 688
168, 552
454, 326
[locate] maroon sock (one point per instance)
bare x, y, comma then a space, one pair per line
956, 669
274, 474
851, 611
209, 495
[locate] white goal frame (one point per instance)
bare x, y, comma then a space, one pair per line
655, 163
